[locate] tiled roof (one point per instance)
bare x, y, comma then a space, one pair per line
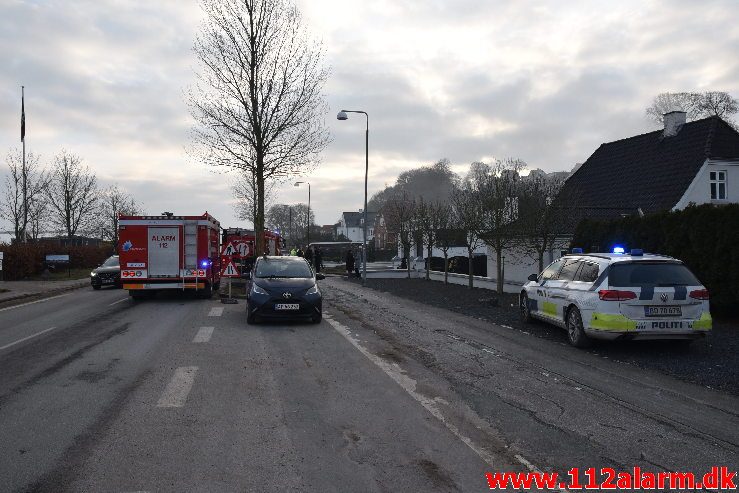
649, 171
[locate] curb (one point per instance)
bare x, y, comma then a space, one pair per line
40, 295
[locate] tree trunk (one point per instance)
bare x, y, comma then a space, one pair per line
541, 261
408, 259
446, 267
259, 224
498, 258
469, 267
428, 263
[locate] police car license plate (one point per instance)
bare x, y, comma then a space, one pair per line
108, 281
287, 306
663, 311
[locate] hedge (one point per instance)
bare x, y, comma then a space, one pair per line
22, 261
705, 238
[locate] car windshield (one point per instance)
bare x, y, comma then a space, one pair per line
111, 262
283, 268
651, 274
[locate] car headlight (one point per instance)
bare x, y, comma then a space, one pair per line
93, 274
257, 290
313, 290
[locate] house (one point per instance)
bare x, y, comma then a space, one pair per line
351, 225
668, 169
384, 239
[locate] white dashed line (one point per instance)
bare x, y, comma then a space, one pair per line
179, 387
203, 335
116, 302
216, 311
34, 302
26, 338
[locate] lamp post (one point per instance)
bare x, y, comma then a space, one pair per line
342, 115
297, 184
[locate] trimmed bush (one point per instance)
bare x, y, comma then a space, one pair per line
705, 237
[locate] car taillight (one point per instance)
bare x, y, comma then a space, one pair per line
699, 294
615, 295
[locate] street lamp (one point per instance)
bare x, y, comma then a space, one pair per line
297, 184
342, 115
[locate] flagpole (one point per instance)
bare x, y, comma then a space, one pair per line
23, 170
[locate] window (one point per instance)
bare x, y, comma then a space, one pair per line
639, 274
717, 180
568, 271
588, 272
552, 270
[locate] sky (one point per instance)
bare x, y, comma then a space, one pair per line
543, 81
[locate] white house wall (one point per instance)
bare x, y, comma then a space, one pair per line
519, 265
699, 191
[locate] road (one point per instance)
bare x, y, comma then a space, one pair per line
100, 393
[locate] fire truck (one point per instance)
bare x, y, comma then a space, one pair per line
169, 252
239, 246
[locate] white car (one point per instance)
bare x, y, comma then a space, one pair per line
618, 296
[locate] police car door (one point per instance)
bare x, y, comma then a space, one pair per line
557, 292
539, 295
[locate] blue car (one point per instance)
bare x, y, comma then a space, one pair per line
283, 288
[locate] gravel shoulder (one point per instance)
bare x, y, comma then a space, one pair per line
712, 362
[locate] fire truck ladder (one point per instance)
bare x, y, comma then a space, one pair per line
191, 248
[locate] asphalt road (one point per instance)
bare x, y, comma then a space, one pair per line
100, 393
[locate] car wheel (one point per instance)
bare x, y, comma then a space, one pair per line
575, 331
523, 308
94, 286
317, 318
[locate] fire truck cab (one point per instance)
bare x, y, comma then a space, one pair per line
169, 252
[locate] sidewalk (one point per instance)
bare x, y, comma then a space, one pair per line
17, 290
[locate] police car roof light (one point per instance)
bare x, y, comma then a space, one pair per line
637, 252
618, 249
577, 250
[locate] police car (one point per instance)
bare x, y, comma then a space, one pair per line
618, 295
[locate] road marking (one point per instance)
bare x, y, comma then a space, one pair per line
26, 338
119, 301
216, 311
203, 334
179, 387
409, 385
33, 302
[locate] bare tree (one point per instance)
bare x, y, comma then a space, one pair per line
291, 220
544, 210
72, 195
498, 185
467, 203
696, 105
114, 201
23, 201
258, 101
445, 236
399, 211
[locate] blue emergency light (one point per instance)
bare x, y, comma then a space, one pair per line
204, 263
619, 250
577, 250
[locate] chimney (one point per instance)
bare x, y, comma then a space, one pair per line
674, 120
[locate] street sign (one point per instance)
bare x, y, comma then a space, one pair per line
237, 247
230, 270
57, 259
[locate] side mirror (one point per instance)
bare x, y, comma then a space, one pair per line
533, 277
320, 277
246, 275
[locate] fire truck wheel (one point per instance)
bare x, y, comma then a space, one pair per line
136, 295
207, 292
